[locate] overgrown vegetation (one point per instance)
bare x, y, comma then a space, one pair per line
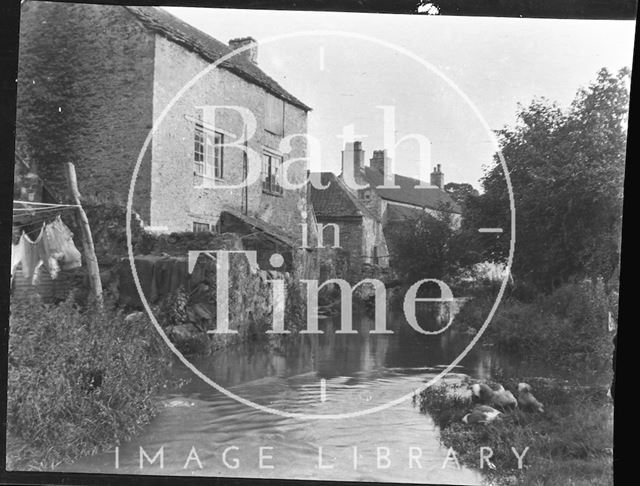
567, 327
79, 381
566, 168
569, 444
429, 246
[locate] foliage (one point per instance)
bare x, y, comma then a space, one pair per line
79, 380
571, 443
430, 247
568, 327
460, 192
566, 168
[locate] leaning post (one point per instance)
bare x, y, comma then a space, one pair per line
87, 238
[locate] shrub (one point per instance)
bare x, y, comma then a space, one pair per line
568, 326
79, 380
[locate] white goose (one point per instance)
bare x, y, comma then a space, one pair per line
481, 414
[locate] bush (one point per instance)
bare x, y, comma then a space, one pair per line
79, 380
568, 327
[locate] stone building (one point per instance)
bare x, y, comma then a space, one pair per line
348, 223
369, 217
404, 202
96, 83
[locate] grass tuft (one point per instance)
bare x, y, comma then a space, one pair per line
79, 381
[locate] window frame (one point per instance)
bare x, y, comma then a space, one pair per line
202, 226
208, 154
271, 187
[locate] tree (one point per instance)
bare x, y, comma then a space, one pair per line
460, 192
428, 246
567, 171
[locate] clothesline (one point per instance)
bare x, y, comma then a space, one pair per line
45, 204
40, 210
40, 213
40, 218
31, 223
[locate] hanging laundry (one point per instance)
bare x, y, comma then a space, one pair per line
33, 254
53, 249
17, 252
60, 249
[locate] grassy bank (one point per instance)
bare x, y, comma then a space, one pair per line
569, 444
79, 381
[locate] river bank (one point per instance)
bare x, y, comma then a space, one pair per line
572, 441
359, 370
79, 381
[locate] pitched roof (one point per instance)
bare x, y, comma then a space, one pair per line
432, 198
336, 200
210, 49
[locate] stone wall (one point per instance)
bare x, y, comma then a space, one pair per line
374, 243
185, 304
85, 89
176, 203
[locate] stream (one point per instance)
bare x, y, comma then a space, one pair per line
204, 432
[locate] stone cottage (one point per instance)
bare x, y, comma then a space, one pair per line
348, 222
382, 209
94, 79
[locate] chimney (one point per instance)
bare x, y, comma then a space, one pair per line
380, 161
354, 156
250, 54
437, 177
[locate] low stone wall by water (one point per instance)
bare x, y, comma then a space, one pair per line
185, 303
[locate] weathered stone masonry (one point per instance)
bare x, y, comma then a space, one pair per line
176, 204
92, 80
85, 91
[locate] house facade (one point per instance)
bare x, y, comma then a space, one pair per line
97, 82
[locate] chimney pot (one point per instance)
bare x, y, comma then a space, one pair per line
437, 177
380, 161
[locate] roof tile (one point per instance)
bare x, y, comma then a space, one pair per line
336, 200
210, 49
432, 198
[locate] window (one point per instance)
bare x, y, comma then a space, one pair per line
200, 227
271, 173
274, 115
207, 153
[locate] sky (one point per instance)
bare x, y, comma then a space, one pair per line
495, 63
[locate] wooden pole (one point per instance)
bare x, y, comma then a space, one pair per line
87, 239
